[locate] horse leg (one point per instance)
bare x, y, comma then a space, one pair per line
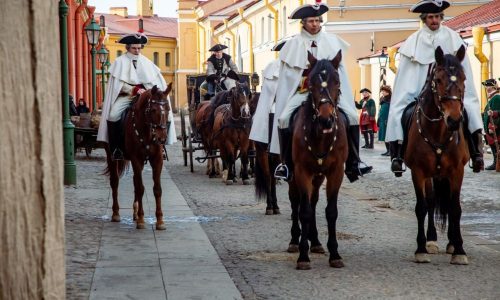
316, 246
138, 192
274, 200
157, 165
333, 184
244, 163
421, 254
114, 181
235, 157
305, 217
455, 212
431, 245
295, 231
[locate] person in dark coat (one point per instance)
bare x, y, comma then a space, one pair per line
82, 107
367, 118
72, 107
491, 118
383, 116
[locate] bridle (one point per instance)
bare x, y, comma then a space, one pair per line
238, 90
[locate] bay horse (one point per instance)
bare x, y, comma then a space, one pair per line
231, 130
437, 153
319, 151
146, 128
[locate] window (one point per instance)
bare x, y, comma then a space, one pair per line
269, 28
167, 59
262, 30
155, 58
118, 53
284, 18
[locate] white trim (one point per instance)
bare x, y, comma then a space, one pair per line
217, 17
185, 11
185, 20
373, 25
186, 70
398, 6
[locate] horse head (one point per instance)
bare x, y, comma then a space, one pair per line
324, 89
448, 86
154, 108
239, 100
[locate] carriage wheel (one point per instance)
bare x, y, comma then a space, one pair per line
183, 136
190, 148
88, 151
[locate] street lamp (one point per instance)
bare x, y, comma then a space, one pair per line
383, 59
93, 31
254, 81
102, 55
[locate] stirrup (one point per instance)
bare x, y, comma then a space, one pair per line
399, 171
117, 154
282, 172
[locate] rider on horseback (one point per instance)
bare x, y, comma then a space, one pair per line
417, 56
130, 75
292, 90
218, 64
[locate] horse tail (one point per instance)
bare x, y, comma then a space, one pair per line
442, 201
261, 178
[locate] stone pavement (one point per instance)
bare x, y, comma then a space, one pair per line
178, 263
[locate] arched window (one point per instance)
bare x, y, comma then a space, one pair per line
269, 27
155, 58
262, 30
285, 20
167, 59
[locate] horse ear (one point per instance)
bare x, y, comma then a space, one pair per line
312, 60
461, 53
169, 88
154, 90
336, 60
439, 55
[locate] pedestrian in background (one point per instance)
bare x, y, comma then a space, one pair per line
367, 118
383, 116
491, 118
82, 107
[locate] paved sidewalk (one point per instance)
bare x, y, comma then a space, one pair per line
178, 263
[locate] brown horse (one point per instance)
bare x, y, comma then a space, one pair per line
319, 151
437, 167
146, 127
231, 130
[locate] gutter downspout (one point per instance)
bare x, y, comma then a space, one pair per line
233, 37
250, 39
275, 12
391, 51
478, 35
202, 54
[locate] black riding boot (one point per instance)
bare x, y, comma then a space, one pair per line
115, 137
475, 143
285, 169
397, 158
388, 150
352, 169
370, 135
493, 166
367, 140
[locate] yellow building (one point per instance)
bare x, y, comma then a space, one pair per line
251, 27
161, 32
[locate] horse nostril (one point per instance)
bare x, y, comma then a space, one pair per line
452, 123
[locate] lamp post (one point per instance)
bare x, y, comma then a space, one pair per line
383, 59
102, 55
254, 81
93, 31
68, 127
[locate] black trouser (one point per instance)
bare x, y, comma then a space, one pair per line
115, 138
494, 153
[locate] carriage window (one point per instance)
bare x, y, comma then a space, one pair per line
167, 59
155, 58
118, 53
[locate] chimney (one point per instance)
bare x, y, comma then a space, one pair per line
120, 11
145, 8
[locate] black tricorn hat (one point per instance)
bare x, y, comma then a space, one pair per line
278, 46
133, 38
218, 47
430, 6
490, 82
365, 90
308, 10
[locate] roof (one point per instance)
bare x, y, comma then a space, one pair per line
161, 27
487, 15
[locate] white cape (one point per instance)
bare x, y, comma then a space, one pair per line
416, 54
147, 74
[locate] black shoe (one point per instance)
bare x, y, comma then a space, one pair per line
365, 170
386, 153
364, 146
397, 167
491, 167
285, 168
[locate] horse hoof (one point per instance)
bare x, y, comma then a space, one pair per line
276, 211
293, 248
229, 182
318, 249
336, 263
269, 212
141, 226
212, 176
235, 180
432, 247
161, 226
459, 259
422, 258
246, 181
450, 249
303, 265
135, 217
115, 218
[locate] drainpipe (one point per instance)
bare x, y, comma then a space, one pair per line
478, 34
391, 51
233, 38
275, 12
250, 39
200, 64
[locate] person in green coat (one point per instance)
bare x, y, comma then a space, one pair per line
383, 116
491, 118
367, 118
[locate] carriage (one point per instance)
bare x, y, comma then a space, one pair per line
190, 140
86, 128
